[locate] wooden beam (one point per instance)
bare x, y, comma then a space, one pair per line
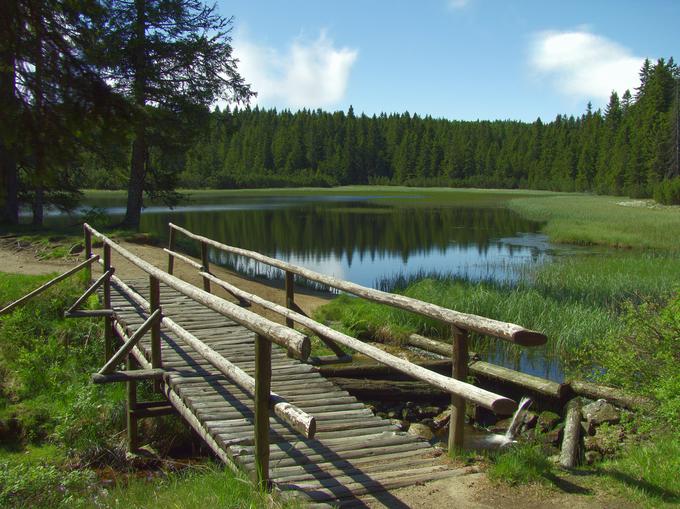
205, 260
173, 254
502, 330
296, 343
93, 287
129, 342
88, 313
459, 361
569, 455
131, 407
47, 285
170, 251
494, 402
125, 376
108, 320
611, 394
263, 377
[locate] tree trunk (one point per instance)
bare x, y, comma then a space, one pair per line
38, 204
139, 145
9, 205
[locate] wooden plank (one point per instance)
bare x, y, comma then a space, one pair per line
124, 376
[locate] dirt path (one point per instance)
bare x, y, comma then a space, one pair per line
472, 491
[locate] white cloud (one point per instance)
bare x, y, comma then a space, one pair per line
458, 4
309, 74
585, 65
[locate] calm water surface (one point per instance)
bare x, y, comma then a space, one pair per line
364, 239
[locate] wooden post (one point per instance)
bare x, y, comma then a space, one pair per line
206, 265
171, 247
263, 375
132, 430
108, 319
155, 303
88, 250
290, 296
460, 372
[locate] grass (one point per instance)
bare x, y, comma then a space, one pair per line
521, 464
601, 220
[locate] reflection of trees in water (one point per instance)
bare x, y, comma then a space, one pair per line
316, 232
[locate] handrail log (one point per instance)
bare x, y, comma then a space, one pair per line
185, 259
128, 342
496, 403
302, 422
502, 330
296, 343
50, 283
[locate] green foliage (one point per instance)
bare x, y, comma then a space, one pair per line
668, 192
196, 488
521, 464
43, 486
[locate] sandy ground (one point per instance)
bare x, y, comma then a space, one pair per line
473, 491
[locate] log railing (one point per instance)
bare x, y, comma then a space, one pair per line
461, 324
258, 386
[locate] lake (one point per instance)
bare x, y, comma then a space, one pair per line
370, 239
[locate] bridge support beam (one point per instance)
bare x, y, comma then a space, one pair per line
263, 377
131, 407
460, 372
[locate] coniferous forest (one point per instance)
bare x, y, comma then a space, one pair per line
629, 148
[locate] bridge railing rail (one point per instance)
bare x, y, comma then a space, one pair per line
461, 324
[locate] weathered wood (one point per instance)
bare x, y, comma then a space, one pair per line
154, 307
388, 390
290, 295
206, 265
173, 254
429, 345
494, 402
108, 321
297, 343
480, 324
322, 360
131, 407
88, 243
171, 250
376, 370
47, 285
159, 411
569, 455
299, 420
459, 372
88, 313
129, 342
611, 394
92, 288
124, 376
263, 375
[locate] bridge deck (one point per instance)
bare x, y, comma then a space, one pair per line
354, 452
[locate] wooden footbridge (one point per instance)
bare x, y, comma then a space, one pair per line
242, 383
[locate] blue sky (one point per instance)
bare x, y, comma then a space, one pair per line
458, 59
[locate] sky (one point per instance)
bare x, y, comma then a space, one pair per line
455, 59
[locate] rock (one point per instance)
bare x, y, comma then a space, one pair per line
76, 248
554, 459
547, 420
401, 425
408, 414
501, 426
530, 420
427, 411
442, 419
420, 430
552, 437
392, 414
588, 428
606, 440
600, 412
592, 457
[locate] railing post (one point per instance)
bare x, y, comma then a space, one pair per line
460, 372
171, 247
132, 430
290, 295
155, 303
206, 265
108, 320
88, 250
263, 374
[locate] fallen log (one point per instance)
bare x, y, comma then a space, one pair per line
389, 390
569, 455
611, 394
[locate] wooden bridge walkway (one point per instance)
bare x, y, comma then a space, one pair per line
353, 454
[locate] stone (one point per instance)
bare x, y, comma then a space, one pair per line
427, 411
547, 420
587, 428
408, 414
442, 419
599, 412
607, 439
501, 426
392, 414
421, 430
530, 420
401, 425
552, 437
592, 457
